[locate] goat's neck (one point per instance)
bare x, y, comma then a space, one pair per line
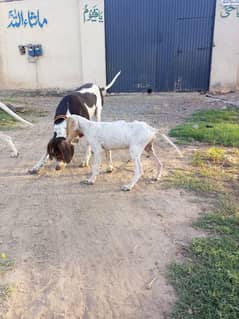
84, 124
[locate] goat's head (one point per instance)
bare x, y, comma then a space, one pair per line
60, 149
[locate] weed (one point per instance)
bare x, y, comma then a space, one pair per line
215, 154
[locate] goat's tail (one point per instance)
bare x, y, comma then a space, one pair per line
173, 145
13, 114
112, 82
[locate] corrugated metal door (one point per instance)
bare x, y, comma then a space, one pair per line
164, 45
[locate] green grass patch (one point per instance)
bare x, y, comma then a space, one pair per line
208, 284
229, 115
6, 120
195, 181
211, 126
224, 220
213, 155
214, 172
6, 264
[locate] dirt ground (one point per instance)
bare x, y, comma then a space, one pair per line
94, 252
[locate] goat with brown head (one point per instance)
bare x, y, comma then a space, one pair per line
59, 149
86, 101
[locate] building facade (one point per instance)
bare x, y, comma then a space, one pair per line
224, 74
161, 45
72, 48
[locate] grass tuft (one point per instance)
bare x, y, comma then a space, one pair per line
193, 181
211, 126
6, 264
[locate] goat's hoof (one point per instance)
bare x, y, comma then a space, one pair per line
87, 182
33, 171
60, 166
83, 164
109, 169
155, 179
14, 154
125, 188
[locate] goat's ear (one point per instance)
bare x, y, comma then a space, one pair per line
67, 150
50, 148
70, 128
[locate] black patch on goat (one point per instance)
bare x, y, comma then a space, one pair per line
86, 98
75, 104
85, 86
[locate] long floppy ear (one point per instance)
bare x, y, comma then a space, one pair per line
67, 150
70, 129
51, 147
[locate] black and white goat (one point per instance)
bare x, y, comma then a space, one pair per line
86, 101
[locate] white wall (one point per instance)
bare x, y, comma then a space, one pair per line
225, 57
93, 43
69, 57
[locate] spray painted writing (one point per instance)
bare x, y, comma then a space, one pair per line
230, 2
228, 10
93, 14
19, 19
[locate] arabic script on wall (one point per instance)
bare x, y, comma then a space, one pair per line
18, 18
93, 14
230, 2
227, 11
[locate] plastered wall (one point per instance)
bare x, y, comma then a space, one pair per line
71, 33
225, 55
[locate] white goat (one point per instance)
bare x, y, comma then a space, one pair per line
135, 136
7, 138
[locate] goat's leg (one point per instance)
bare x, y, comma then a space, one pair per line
98, 113
9, 141
138, 171
35, 169
110, 167
151, 152
85, 162
95, 168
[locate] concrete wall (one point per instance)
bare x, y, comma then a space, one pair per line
225, 57
72, 41
93, 43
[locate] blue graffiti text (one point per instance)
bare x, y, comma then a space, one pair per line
30, 19
93, 14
